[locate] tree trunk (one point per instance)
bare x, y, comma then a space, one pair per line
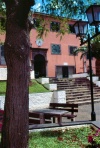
15, 127
17, 45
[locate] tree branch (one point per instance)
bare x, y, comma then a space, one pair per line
23, 10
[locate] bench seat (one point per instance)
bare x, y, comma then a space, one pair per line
38, 118
71, 108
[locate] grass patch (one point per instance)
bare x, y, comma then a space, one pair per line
34, 88
72, 138
37, 87
2, 87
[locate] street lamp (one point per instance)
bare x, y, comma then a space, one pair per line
81, 30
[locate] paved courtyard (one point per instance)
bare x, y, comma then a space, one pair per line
84, 112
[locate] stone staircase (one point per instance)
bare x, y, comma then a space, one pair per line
78, 90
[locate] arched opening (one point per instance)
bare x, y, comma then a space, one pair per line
39, 66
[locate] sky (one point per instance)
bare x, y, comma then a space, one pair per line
37, 5
39, 2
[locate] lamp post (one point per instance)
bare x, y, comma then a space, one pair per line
81, 29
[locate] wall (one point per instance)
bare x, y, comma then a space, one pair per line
41, 100
36, 100
2, 38
3, 73
58, 60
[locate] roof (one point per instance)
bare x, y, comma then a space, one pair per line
49, 15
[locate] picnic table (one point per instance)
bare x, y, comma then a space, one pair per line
55, 113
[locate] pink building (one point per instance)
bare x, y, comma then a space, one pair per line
50, 56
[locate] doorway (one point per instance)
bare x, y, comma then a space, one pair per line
65, 71
39, 66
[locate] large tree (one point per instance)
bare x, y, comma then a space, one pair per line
16, 48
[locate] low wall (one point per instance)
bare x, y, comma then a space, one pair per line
41, 100
79, 75
2, 100
3, 73
36, 100
51, 86
43, 80
32, 75
97, 83
94, 78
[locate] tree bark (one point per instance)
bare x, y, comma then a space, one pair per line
16, 47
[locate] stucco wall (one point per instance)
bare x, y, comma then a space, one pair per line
64, 57
3, 73
57, 60
36, 100
41, 100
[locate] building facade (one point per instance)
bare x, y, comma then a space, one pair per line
51, 56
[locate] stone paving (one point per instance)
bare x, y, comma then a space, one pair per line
84, 112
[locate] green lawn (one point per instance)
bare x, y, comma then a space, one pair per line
37, 88
2, 87
34, 88
72, 138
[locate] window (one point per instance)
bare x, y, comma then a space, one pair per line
71, 49
36, 22
55, 49
2, 59
71, 28
55, 26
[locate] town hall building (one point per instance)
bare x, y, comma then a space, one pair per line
51, 56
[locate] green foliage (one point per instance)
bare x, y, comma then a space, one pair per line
58, 8
2, 16
61, 8
64, 27
95, 47
2, 8
2, 87
34, 88
2, 24
83, 50
72, 138
37, 88
40, 26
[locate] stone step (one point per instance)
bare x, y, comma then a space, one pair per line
74, 88
81, 94
84, 82
85, 102
78, 90
83, 97
82, 89
76, 85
